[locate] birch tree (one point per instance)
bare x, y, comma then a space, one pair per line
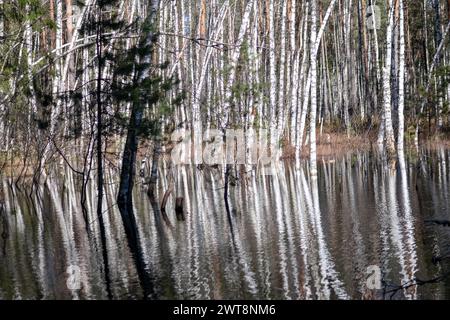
401, 88
235, 54
243, 64
313, 113
2, 21
387, 118
273, 74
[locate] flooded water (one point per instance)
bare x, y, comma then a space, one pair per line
290, 236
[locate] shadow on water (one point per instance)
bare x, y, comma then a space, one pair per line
294, 236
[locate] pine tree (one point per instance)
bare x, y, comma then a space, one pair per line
138, 83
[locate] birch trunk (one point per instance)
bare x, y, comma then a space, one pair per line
301, 110
29, 49
272, 78
292, 59
2, 22
233, 63
196, 119
57, 83
388, 128
314, 49
293, 75
401, 85
74, 37
282, 85
313, 114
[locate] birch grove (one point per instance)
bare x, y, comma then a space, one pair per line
241, 64
110, 90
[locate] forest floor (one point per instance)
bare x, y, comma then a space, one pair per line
330, 144
336, 144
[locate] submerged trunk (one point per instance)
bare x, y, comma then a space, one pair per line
99, 51
128, 171
125, 200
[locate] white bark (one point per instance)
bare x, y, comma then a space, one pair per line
313, 114
199, 87
347, 62
388, 128
255, 107
74, 39
29, 49
401, 88
2, 21
294, 97
377, 51
273, 77
196, 117
293, 56
301, 113
315, 45
281, 90
234, 60
58, 85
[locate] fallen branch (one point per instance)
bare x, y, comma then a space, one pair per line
416, 282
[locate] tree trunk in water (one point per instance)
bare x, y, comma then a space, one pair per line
128, 172
99, 51
125, 201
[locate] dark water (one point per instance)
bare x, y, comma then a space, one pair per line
291, 236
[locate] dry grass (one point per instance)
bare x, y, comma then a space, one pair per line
436, 142
330, 145
333, 143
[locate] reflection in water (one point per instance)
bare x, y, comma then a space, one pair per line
292, 236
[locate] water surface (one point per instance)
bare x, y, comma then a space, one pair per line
290, 237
